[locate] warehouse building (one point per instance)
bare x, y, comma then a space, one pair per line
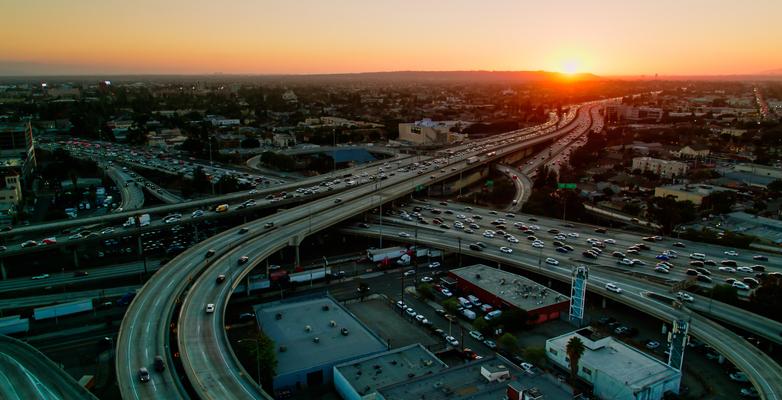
312, 335
614, 369
360, 379
505, 290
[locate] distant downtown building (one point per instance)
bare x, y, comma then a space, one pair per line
615, 370
427, 131
504, 290
664, 168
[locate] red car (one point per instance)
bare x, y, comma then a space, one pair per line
50, 240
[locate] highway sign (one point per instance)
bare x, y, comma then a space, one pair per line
566, 185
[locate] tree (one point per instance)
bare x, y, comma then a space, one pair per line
200, 181
574, 350
767, 298
535, 355
262, 349
451, 305
725, 293
426, 291
508, 343
249, 143
513, 319
481, 325
775, 186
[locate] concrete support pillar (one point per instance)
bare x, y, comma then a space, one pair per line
247, 285
140, 247
2, 269
604, 303
76, 258
298, 256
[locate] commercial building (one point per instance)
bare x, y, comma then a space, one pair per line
427, 131
17, 150
312, 335
693, 193
360, 379
664, 168
614, 369
490, 378
505, 290
767, 229
760, 170
692, 151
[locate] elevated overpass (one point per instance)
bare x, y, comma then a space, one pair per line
144, 333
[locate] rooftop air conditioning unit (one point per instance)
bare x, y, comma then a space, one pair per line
316, 339
307, 328
333, 323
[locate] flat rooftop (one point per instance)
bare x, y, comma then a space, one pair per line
301, 320
467, 382
616, 359
369, 374
516, 290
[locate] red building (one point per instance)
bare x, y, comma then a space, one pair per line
504, 290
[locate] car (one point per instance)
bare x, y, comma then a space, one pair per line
209, 253
210, 308
662, 270
727, 269
409, 272
527, 367
760, 258
404, 234
732, 253
337, 200
740, 285
506, 250
561, 250
143, 374
30, 243
573, 235
42, 276
401, 304
477, 335
738, 376
420, 317
588, 254
410, 311
612, 287
746, 270
159, 365
750, 392
243, 260
652, 344
609, 241
552, 261
220, 278
445, 292
426, 279
684, 296
679, 244
490, 344
80, 273
451, 340
434, 264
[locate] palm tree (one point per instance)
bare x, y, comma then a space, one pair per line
574, 350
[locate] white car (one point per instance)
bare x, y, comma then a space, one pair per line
445, 292
609, 241
740, 285
611, 287
684, 296
477, 335
452, 341
506, 250
210, 308
488, 235
434, 264
527, 367
552, 261
746, 270
404, 234
573, 234
411, 312
426, 279
732, 253
42, 276
727, 269
538, 245
409, 272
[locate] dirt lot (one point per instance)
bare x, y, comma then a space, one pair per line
382, 319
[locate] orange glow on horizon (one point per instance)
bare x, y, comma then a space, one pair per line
604, 37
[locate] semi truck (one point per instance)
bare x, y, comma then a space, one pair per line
60, 310
389, 253
406, 258
472, 160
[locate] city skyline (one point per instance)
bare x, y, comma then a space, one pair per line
607, 38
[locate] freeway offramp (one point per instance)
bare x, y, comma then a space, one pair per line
25, 373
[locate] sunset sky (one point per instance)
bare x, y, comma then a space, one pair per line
605, 37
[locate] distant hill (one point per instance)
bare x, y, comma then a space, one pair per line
449, 76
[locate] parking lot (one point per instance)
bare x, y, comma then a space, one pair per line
389, 324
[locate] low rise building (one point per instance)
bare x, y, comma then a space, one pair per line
693, 193
760, 170
312, 335
490, 378
505, 290
427, 131
664, 168
692, 151
614, 369
361, 379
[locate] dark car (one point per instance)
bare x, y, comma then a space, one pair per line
704, 278
692, 272
243, 230
80, 273
220, 278
160, 366
143, 374
601, 230
760, 258
209, 253
475, 247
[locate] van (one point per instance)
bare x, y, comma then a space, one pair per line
222, 208
491, 315
698, 256
464, 302
474, 300
160, 366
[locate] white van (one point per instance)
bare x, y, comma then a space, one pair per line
474, 300
491, 315
698, 256
464, 302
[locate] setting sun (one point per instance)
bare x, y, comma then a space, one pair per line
570, 67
